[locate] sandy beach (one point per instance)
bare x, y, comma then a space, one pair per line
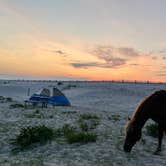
112, 102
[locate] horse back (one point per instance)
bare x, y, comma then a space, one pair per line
157, 105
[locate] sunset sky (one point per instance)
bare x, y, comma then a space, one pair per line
83, 39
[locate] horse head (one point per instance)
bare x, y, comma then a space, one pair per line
133, 134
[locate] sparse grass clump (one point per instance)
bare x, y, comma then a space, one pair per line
81, 137
88, 116
152, 130
17, 105
86, 125
94, 123
69, 112
116, 117
67, 130
72, 135
9, 99
36, 114
42, 134
5, 99
88, 121
2, 98
30, 135
64, 131
83, 126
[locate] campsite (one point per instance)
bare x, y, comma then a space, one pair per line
98, 108
45, 97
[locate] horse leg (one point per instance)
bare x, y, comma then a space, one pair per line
160, 136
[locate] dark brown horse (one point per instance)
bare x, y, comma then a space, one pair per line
153, 107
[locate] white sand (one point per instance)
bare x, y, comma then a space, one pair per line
103, 99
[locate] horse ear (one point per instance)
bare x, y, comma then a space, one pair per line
129, 118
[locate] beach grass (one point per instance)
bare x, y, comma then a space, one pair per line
30, 135
152, 130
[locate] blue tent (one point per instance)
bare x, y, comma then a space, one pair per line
41, 96
57, 98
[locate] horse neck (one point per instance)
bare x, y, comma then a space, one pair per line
140, 118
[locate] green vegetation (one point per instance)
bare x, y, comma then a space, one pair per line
2, 98
116, 117
67, 130
5, 127
69, 112
36, 114
5, 99
88, 116
42, 134
152, 130
83, 125
88, 122
81, 137
72, 135
17, 105
9, 99
87, 125
30, 135
67, 133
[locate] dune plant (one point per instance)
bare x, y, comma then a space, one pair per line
88, 121
64, 131
42, 134
152, 129
81, 137
35, 114
94, 123
88, 116
83, 126
8, 99
74, 136
69, 112
30, 135
2, 98
17, 105
115, 117
67, 129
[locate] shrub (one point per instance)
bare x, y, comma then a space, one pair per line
17, 105
64, 131
9, 99
88, 116
69, 112
36, 114
88, 125
116, 117
74, 136
67, 130
2, 98
30, 135
83, 126
88, 121
94, 123
152, 130
81, 137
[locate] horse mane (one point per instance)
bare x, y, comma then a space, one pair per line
137, 111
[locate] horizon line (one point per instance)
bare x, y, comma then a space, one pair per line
113, 81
